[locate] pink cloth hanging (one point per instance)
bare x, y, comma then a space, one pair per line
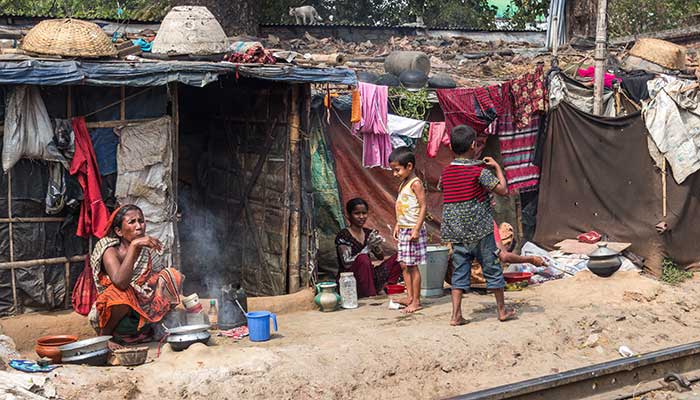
375, 109
590, 73
437, 135
376, 146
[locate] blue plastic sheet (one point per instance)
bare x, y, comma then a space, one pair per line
157, 73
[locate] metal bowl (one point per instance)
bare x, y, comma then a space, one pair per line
84, 346
186, 329
181, 342
93, 358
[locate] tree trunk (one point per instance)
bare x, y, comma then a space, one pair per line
237, 17
581, 18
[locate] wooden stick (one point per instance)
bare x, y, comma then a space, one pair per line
122, 105
286, 209
66, 277
295, 191
663, 188
69, 103
22, 220
41, 261
12, 244
117, 123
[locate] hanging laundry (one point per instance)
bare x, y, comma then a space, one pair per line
634, 84
517, 146
404, 131
590, 73
93, 213
28, 132
673, 120
437, 135
376, 150
104, 143
467, 106
529, 96
373, 125
356, 108
374, 104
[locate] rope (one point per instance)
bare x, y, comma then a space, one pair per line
116, 103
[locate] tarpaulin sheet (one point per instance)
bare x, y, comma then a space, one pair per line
379, 187
157, 73
597, 175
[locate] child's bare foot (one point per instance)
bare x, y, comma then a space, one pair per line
459, 322
404, 301
411, 308
506, 315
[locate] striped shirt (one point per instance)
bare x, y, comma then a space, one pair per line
467, 216
461, 182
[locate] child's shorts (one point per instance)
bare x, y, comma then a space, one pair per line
412, 253
485, 252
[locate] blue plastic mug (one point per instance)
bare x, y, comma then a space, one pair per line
259, 325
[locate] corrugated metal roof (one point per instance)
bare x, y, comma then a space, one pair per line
396, 27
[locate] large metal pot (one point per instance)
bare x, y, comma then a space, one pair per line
604, 261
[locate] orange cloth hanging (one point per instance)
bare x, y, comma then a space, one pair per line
356, 113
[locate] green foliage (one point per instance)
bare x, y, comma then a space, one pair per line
411, 104
672, 274
471, 13
522, 13
628, 17
93, 9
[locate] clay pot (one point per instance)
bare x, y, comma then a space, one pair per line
47, 346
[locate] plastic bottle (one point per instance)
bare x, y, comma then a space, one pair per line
213, 314
348, 290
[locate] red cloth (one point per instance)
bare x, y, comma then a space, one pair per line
93, 212
363, 271
84, 291
460, 108
437, 135
529, 97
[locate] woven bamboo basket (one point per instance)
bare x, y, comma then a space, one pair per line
668, 55
68, 38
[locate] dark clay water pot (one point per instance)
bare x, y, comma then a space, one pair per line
604, 261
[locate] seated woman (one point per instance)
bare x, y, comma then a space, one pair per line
131, 295
354, 245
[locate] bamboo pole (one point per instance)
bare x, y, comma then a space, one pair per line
66, 277
600, 56
122, 103
41, 261
175, 142
12, 242
664, 203
295, 191
306, 275
22, 220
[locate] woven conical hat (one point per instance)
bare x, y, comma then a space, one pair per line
70, 38
190, 30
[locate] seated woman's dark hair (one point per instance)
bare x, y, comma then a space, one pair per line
357, 201
403, 156
461, 138
119, 217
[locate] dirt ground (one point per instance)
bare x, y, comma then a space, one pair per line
375, 352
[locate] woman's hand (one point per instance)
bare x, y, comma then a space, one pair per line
415, 235
396, 233
375, 239
537, 261
148, 241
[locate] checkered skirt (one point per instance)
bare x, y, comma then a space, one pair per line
412, 253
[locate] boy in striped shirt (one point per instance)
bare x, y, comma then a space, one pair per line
467, 220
